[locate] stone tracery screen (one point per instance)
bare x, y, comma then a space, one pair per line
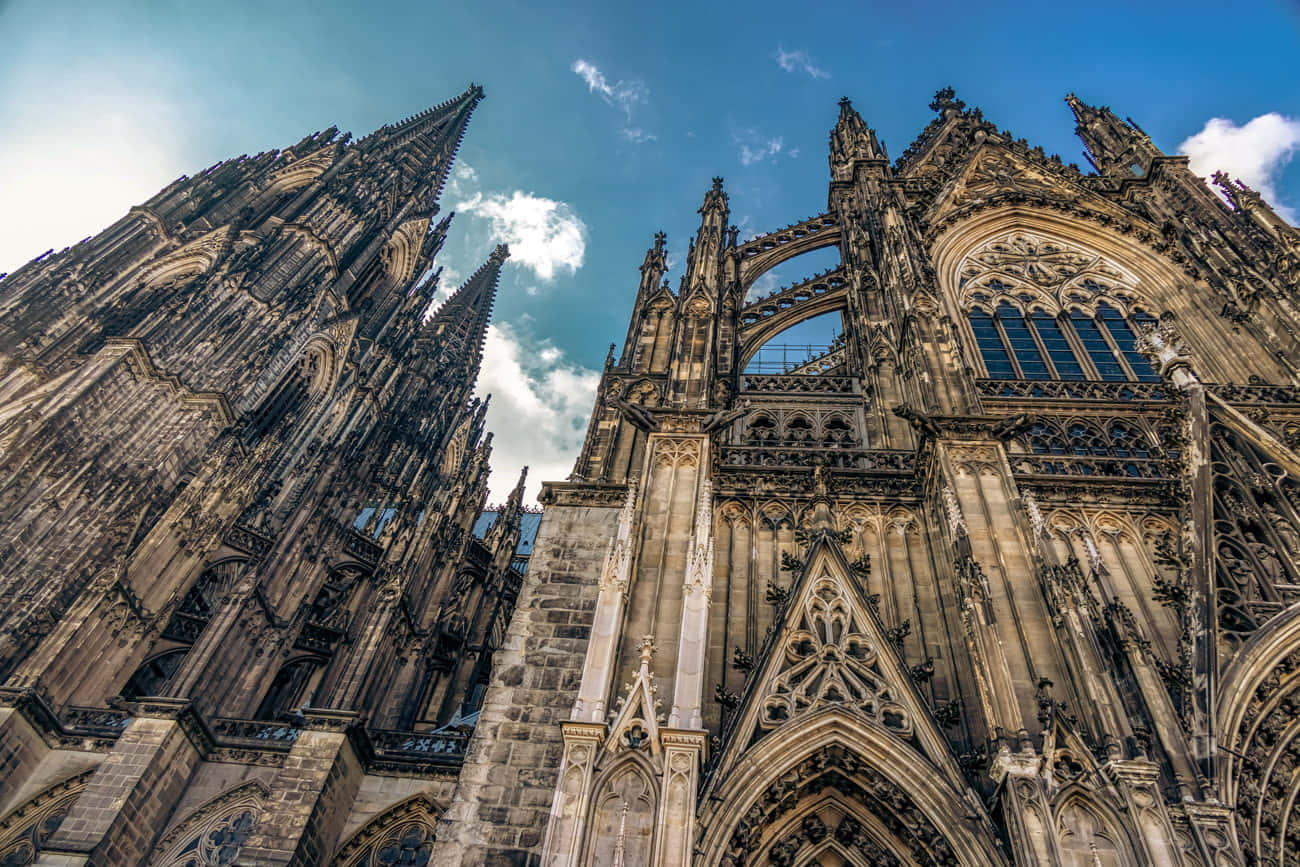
1044, 309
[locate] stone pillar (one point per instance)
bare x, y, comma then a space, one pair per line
675, 824
1138, 784
1025, 808
693, 639
311, 794
565, 832
130, 798
598, 670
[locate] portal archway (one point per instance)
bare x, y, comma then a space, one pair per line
897, 804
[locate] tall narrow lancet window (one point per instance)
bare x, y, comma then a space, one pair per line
1124, 332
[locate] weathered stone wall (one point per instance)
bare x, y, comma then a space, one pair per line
501, 806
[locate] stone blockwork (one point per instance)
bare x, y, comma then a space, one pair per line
502, 802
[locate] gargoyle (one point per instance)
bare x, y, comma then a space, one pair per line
638, 416
722, 418
1011, 426
920, 422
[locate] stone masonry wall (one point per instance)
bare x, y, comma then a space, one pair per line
499, 812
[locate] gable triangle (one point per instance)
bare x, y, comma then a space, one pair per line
828, 650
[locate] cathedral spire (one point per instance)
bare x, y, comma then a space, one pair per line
1114, 147
460, 324
852, 139
432, 137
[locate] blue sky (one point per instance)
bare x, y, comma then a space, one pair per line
603, 123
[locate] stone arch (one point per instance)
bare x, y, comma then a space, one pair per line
763, 253
299, 173
213, 831
1138, 278
26, 828
1089, 832
1259, 716
404, 829
755, 337
790, 768
196, 257
622, 808
402, 252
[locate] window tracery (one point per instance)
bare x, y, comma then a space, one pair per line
214, 834
801, 428
1041, 309
27, 828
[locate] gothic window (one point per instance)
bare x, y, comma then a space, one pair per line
400, 837
762, 429
290, 689
28, 828
1076, 326
214, 834
150, 678
288, 399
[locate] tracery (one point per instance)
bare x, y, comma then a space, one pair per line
1041, 309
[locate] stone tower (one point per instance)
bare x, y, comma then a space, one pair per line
1008, 574
243, 613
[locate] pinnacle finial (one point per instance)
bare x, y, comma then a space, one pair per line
945, 101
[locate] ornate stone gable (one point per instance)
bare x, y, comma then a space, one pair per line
827, 652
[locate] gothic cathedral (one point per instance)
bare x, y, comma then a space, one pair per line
1006, 573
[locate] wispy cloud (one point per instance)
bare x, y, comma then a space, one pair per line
540, 403
545, 235
1255, 152
626, 96
754, 147
799, 61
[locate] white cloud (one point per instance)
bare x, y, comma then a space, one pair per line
540, 404
799, 61
544, 235
623, 95
755, 148
61, 184
1253, 153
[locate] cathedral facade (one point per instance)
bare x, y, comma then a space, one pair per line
1007, 573
245, 616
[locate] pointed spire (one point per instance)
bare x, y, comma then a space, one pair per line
460, 324
1114, 147
852, 139
516, 498
433, 136
715, 199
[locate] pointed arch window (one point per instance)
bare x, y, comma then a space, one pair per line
1074, 346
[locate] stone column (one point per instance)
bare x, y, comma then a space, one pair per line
598, 667
133, 792
311, 794
693, 639
567, 826
675, 824
1138, 784
1028, 814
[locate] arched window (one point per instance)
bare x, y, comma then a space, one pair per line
150, 678
1077, 346
289, 690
